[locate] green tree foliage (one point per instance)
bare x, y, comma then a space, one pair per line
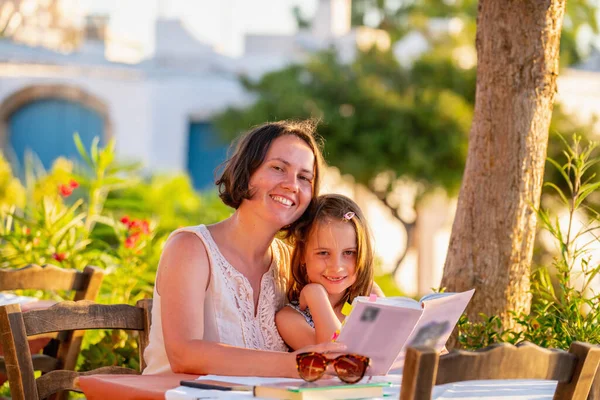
376, 117
401, 16
380, 118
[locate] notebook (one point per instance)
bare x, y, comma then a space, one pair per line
321, 389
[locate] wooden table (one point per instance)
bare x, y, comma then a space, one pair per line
155, 387
130, 387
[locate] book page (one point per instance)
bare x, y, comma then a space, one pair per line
440, 315
439, 318
392, 301
435, 295
378, 331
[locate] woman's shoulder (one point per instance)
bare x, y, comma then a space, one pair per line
182, 241
191, 230
189, 235
182, 255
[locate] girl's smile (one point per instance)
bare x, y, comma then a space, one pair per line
331, 256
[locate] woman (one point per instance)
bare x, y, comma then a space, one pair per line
218, 287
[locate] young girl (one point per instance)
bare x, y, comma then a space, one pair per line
332, 263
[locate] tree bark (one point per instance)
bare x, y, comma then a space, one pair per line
491, 244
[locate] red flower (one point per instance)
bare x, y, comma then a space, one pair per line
125, 220
65, 190
140, 225
131, 240
27, 231
60, 257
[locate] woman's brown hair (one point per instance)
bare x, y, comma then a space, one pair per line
249, 152
325, 208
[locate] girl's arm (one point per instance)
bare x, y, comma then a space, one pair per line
315, 297
375, 289
294, 329
182, 279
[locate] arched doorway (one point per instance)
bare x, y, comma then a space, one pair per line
43, 119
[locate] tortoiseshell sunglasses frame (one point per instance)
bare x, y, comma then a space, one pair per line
365, 360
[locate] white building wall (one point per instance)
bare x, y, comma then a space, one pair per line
177, 102
124, 92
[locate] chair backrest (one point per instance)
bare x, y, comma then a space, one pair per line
574, 370
16, 326
85, 285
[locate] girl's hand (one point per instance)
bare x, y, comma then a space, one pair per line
310, 293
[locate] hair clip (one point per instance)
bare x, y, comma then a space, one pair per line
348, 216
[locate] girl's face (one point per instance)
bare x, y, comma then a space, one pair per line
282, 186
330, 257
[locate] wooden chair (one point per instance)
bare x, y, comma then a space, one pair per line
61, 352
16, 326
574, 370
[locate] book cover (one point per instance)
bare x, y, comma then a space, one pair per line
381, 329
212, 384
322, 389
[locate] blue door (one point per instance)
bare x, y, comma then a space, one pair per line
205, 153
46, 127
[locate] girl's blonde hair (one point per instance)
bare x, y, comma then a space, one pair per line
333, 207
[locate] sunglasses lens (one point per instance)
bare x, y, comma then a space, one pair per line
311, 367
350, 369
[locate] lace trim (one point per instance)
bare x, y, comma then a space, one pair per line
267, 305
260, 332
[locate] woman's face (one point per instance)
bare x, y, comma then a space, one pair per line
282, 186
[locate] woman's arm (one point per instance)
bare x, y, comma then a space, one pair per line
182, 280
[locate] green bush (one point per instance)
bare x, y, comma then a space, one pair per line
101, 213
565, 306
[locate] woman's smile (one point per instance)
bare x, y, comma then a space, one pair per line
283, 200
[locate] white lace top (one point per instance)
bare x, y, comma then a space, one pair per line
229, 305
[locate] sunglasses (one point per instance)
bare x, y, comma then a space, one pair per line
350, 368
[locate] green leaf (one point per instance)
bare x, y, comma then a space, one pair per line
82, 151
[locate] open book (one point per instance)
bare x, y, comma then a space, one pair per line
381, 329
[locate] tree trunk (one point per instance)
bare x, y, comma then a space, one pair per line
491, 245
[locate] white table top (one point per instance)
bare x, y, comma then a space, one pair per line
472, 390
11, 298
